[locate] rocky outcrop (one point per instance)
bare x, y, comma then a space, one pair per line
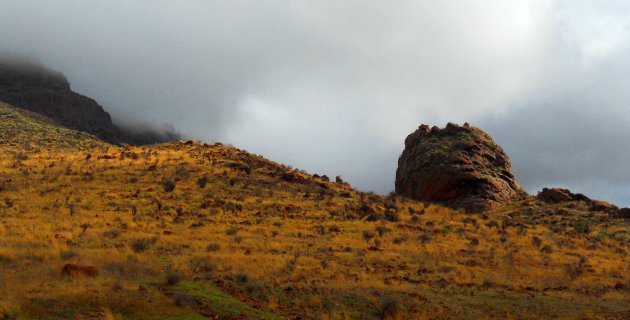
555, 195
558, 195
624, 213
34, 88
458, 166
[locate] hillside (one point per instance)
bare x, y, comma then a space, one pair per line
193, 231
25, 130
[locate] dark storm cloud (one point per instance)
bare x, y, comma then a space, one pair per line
334, 87
574, 135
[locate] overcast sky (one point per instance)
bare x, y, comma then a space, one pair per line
334, 87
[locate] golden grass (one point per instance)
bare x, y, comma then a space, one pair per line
280, 241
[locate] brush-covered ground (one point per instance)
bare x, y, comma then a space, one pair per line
196, 231
28, 130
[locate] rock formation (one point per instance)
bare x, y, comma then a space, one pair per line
555, 195
558, 195
459, 166
32, 87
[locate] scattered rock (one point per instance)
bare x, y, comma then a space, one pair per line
457, 166
624, 213
79, 271
603, 206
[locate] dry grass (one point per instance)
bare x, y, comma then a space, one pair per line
184, 231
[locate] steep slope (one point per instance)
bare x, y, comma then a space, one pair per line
192, 231
32, 87
458, 166
26, 130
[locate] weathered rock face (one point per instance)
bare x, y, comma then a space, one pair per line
459, 166
34, 88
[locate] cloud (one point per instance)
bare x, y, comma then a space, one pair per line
334, 87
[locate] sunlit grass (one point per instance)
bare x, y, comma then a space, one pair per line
274, 242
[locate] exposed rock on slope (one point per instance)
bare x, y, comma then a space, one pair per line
555, 195
31, 87
457, 166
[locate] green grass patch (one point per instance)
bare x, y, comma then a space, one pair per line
220, 302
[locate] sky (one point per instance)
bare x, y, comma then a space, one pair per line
334, 87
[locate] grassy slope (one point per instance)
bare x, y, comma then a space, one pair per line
26, 130
263, 241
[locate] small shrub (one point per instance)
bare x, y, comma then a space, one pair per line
536, 241
546, 249
573, 271
173, 277
582, 227
232, 231
392, 216
68, 254
213, 247
114, 268
201, 182
382, 230
140, 245
112, 234
183, 300
168, 185
201, 265
242, 278
386, 308
368, 235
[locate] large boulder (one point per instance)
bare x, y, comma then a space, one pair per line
458, 166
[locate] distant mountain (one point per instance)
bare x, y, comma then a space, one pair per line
33, 87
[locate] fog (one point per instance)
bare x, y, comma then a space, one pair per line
334, 87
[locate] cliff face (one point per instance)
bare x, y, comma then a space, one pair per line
459, 166
48, 93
